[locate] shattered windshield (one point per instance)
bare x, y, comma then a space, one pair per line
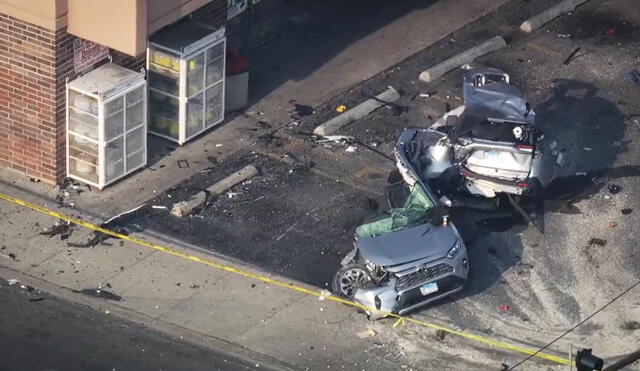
414, 210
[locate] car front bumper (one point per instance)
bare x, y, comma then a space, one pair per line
400, 298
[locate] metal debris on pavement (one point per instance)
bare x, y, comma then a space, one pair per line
634, 75
350, 149
13, 281
614, 188
263, 125
300, 110
342, 139
62, 228
573, 56
183, 164
99, 293
118, 224
597, 241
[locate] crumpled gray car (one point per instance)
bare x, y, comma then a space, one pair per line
405, 259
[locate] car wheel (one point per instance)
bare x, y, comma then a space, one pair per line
349, 278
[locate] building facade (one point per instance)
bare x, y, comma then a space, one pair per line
45, 43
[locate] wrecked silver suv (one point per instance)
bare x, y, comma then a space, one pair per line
410, 257
488, 146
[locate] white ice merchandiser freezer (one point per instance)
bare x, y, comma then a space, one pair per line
185, 63
106, 125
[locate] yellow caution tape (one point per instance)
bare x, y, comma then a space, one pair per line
227, 268
398, 322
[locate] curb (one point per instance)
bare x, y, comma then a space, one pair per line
546, 16
459, 59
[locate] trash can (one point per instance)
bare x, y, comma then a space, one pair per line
236, 88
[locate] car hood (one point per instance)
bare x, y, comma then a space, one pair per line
409, 244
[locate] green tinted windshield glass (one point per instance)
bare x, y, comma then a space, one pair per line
413, 211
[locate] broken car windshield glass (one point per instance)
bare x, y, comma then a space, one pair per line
414, 210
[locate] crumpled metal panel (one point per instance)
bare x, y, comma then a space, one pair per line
507, 165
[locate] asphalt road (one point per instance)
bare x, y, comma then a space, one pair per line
50, 334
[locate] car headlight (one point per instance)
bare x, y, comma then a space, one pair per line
454, 250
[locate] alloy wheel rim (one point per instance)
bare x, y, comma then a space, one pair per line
352, 279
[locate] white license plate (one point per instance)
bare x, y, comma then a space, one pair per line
429, 288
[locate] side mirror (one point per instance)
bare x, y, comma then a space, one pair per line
445, 201
439, 216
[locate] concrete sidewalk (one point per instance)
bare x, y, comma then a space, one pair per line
274, 326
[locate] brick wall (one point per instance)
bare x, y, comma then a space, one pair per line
35, 64
28, 127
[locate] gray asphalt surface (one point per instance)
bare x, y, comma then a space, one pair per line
49, 334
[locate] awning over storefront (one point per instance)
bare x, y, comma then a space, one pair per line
123, 25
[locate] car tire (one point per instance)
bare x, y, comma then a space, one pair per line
357, 273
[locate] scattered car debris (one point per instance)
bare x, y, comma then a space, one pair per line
13, 281
366, 334
343, 139
560, 160
573, 56
270, 140
614, 188
350, 149
62, 228
159, 207
634, 75
598, 242
324, 294
183, 164
300, 110
263, 125
100, 293
117, 224
564, 35
634, 120
630, 325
